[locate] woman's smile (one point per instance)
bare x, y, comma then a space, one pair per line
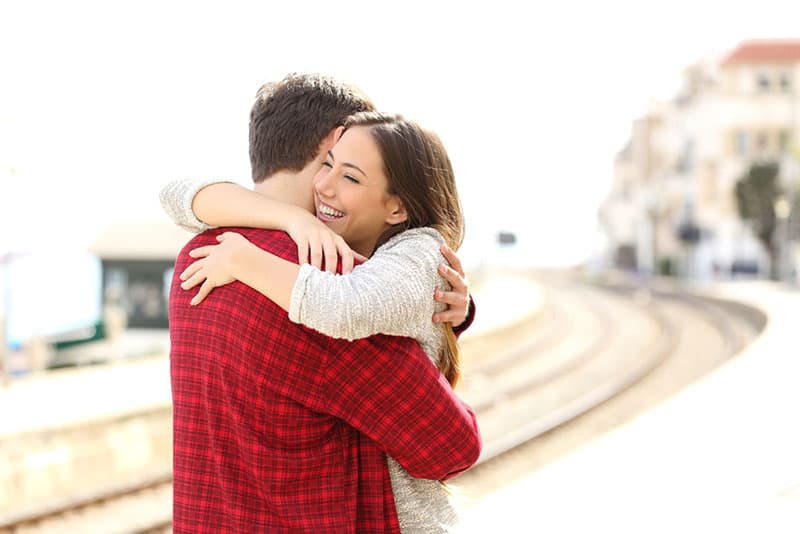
328, 213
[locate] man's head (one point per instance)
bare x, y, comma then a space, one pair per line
291, 118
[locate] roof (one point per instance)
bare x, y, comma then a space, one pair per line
141, 240
765, 51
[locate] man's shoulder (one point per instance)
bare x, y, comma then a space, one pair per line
273, 241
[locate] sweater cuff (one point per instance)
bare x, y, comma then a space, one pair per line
198, 185
298, 293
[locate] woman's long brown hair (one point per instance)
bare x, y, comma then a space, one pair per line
420, 174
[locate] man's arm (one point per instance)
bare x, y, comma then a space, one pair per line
387, 388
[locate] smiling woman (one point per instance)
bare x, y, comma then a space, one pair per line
351, 191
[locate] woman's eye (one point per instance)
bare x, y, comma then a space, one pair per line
351, 179
327, 164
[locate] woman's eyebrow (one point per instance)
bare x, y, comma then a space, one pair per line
352, 166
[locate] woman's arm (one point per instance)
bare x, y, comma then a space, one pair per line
176, 199
198, 205
392, 293
230, 204
203, 204
236, 258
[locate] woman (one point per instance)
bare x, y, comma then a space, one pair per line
387, 188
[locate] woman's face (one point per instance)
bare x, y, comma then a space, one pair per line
350, 192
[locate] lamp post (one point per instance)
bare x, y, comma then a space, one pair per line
4, 288
689, 234
782, 210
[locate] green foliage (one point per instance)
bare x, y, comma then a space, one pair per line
756, 193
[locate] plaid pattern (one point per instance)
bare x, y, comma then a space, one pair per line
278, 428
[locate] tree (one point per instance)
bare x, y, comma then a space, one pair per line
756, 192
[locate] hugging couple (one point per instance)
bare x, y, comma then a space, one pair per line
314, 323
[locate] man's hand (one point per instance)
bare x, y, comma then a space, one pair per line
457, 300
317, 242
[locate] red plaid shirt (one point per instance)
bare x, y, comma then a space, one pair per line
278, 428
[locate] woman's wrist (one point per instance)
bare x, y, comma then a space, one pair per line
243, 260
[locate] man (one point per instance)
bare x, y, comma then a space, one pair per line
279, 428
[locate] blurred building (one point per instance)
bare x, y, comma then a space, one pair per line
672, 206
56, 305
137, 262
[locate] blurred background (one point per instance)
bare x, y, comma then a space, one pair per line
612, 157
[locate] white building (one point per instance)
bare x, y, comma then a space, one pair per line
685, 156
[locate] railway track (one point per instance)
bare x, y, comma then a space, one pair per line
693, 335
583, 364
144, 503
574, 356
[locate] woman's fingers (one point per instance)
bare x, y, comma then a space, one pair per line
201, 252
452, 298
347, 255
452, 259
302, 251
315, 249
330, 252
205, 289
191, 269
449, 316
193, 280
456, 279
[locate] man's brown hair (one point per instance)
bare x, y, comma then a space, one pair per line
291, 117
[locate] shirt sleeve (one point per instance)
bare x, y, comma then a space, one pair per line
176, 198
391, 293
388, 389
460, 329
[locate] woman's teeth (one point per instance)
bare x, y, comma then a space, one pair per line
330, 212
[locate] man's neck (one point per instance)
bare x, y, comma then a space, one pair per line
291, 187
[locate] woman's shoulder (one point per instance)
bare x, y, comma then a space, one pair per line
420, 238
418, 247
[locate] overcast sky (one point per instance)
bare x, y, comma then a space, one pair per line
102, 102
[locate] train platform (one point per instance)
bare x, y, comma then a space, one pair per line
720, 456
135, 378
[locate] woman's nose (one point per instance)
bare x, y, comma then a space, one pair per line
324, 182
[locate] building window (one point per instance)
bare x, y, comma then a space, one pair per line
762, 141
786, 82
686, 160
140, 288
763, 82
742, 142
784, 137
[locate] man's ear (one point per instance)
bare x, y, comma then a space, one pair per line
331, 139
397, 211
337, 134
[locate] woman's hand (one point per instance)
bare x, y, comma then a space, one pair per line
317, 242
457, 300
216, 265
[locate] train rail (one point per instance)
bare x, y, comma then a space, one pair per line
694, 335
145, 503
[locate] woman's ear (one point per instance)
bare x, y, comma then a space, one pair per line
397, 211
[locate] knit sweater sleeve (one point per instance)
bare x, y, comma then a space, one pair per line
176, 198
391, 293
